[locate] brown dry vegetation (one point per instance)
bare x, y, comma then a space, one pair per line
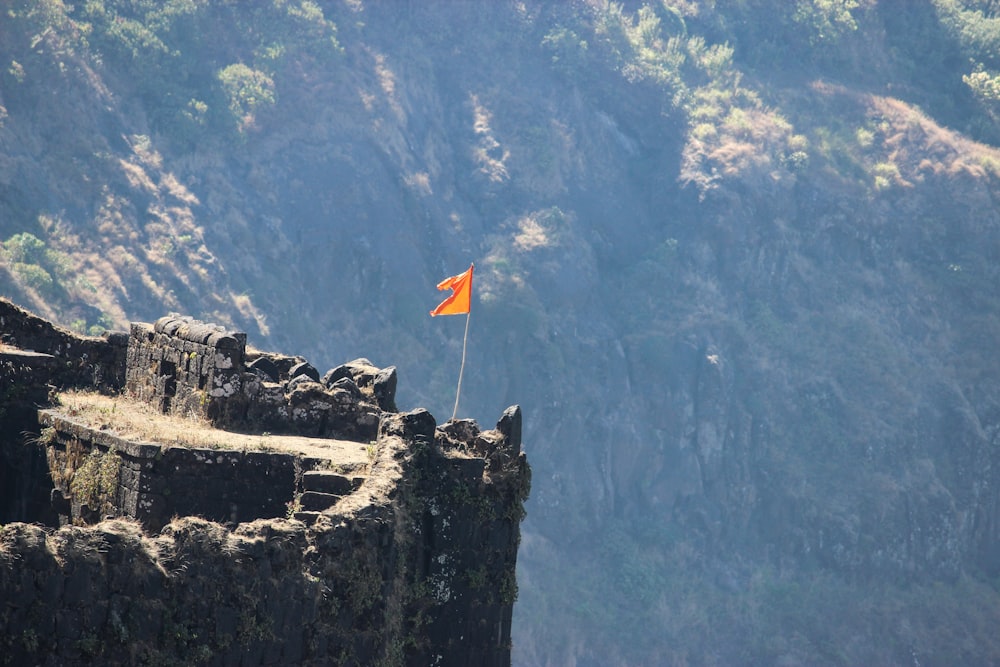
765, 239
135, 420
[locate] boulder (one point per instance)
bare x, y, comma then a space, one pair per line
384, 388
265, 368
303, 368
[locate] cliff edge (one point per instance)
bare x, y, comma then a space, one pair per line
347, 533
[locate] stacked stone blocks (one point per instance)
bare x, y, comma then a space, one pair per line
190, 368
185, 366
414, 563
154, 483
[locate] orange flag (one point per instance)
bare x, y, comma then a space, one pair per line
460, 301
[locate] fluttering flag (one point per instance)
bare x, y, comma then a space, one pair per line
460, 301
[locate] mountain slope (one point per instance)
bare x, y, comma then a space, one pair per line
738, 264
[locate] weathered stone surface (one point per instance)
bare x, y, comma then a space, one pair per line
315, 501
333, 586
335, 374
409, 425
308, 518
309, 387
384, 388
320, 584
510, 426
348, 385
155, 483
79, 361
467, 470
304, 368
187, 367
330, 482
361, 370
25, 486
265, 368
462, 430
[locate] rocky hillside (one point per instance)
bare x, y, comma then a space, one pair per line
737, 261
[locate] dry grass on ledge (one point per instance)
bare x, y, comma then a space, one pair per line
131, 419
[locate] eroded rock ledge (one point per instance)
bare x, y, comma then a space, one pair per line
401, 551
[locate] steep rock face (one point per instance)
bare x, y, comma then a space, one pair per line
899, 388
816, 405
24, 484
387, 582
755, 307
411, 562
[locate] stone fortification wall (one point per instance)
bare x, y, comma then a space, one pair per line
410, 563
24, 482
416, 567
183, 365
24, 378
97, 475
78, 361
188, 367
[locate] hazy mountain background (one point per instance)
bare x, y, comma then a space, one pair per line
739, 262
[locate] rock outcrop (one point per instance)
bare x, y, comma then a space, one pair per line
396, 550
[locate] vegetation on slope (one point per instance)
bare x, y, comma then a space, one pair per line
736, 260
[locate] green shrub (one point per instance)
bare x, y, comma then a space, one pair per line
25, 248
569, 51
246, 89
95, 482
33, 276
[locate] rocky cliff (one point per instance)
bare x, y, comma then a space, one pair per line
396, 550
742, 257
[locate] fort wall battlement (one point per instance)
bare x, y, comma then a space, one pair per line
343, 532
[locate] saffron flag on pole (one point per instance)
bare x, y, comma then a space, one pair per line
460, 301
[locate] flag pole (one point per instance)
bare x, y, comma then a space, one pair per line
459, 302
461, 370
